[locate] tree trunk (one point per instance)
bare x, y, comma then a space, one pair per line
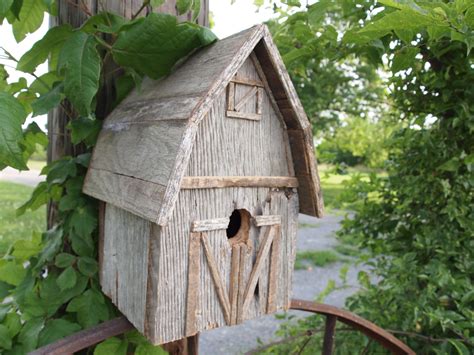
71, 11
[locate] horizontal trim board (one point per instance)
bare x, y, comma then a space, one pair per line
249, 82
268, 220
210, 182
244, 115
210, 224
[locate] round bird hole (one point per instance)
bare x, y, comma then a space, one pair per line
239, 226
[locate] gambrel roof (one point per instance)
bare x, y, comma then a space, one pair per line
145, 143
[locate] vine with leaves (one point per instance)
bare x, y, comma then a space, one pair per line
49, 285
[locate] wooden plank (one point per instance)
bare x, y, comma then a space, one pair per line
274, 271
240, 296
251, 93
244, 115
218, 282
259, 101
257, 268
141, 198
231, 96
194, 263
124, 270
209, 182
210, 224
247, 81
266, 220
234, 283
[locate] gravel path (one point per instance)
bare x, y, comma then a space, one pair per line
313, 234
28, 177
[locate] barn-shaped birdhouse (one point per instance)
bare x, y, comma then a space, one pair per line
203, 174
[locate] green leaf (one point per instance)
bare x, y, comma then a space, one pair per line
70, 201
404, 59
90, 308
53, 240
16, 8
64, 260
460, 347
30, 18
156, 3
112, 345
48, 101
84, 220
84, 130
82, 245
5, 7
29, 333
12, 116
44, 83
451, 165
152, 45
13, 323
24, 249
51, 43
5, 339
59, 170
67, 279
149, 349
183, 6
38, 198
196, 9
80, 62
87, 266
56, 329
4, 291
105, 22
11, 272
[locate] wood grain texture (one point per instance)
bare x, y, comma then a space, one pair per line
210, 224
194, 270
124, 267
244, 115
218, 280
210, 182
170, 249
226, 147
234, 283
139, 197
257, 268
274, 269
266, 220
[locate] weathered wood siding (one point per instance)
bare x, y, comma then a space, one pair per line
169, 274
227, 146
123, 272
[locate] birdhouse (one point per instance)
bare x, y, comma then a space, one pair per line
203, 174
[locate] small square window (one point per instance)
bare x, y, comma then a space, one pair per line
244, 99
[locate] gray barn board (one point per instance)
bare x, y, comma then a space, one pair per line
203, 174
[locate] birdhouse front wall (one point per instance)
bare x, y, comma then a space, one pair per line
203, 277
187, 295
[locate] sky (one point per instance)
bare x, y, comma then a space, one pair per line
228, 19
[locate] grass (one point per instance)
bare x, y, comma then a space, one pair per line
11, 227
310, 258
36, 164
308, 225
333, 184
347, 250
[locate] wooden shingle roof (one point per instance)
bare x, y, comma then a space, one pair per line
145, 143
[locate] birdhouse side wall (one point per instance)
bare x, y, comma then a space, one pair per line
124, 262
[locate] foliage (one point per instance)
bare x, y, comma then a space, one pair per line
49, 283
334, 80
417, 222
358, 141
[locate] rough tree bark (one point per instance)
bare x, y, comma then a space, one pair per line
75, 12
